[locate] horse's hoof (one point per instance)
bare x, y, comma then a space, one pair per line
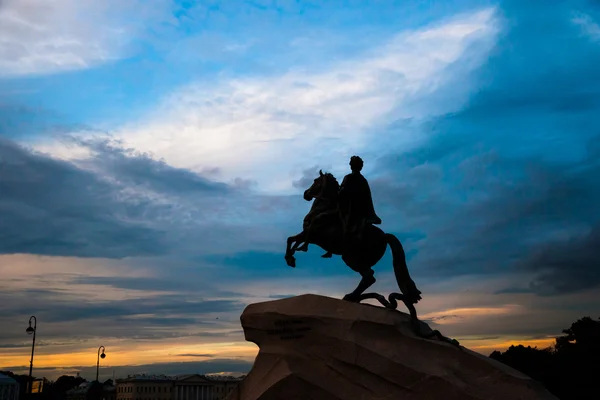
291, 261
352, 298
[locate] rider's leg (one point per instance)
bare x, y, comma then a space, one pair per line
317, 222
349, 235
360, 228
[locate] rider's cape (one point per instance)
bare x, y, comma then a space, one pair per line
356, 199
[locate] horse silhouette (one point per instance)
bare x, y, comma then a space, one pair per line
324, 228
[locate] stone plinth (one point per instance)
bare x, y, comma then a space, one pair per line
316, 348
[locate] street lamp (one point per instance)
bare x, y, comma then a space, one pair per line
98, 360
31, 330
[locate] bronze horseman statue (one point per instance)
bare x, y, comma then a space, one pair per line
342, 221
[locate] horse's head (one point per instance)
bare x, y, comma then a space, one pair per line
325, 186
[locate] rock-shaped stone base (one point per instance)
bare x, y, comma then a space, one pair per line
318, 348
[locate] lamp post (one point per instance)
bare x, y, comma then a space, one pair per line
31, 330
98, 360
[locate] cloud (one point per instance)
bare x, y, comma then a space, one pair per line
122, 200
155, 310
41, 37
449, 316
52, 207
245, 125
133, 168
116, 202
307, 178
588, 26
152, 284
486, 169
567, 265
74, 313
508, 183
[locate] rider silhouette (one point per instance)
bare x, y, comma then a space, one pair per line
356, 203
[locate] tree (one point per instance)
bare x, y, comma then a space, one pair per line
529, 360
568, 369
583, 334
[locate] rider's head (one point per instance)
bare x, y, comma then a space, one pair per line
356, 163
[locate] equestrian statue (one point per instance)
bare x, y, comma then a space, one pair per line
342, 221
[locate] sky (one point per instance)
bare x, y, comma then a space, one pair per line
153, 156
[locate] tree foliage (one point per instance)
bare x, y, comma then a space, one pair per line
569, 368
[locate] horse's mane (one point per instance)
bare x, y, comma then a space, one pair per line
332, 180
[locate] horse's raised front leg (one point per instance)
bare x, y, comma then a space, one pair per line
301, 246
368, 279
299, 242
289, 251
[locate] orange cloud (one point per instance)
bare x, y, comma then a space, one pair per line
454, 315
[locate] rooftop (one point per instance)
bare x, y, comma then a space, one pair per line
7, 380
211, 377
138, 377
225, 377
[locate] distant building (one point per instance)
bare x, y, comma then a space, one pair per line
9, 388
92, 391
79, 392
224, 384
142, 387
182, 387
109, 392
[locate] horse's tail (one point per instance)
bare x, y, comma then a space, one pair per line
405, 282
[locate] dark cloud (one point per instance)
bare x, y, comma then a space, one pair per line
133, 168
38, 343
307, 178
166, 306
160, 284
481, 338
527, 325
15, 346
244, 184
514, 290
510, 183
160, 321
48, 206
442, 318
115, 204
140, 318
567, 266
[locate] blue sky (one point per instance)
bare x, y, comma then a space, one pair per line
153, 156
